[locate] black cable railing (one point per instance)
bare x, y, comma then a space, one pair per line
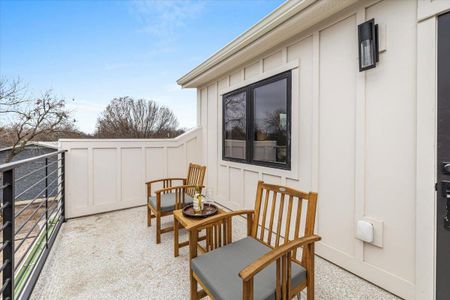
35, 188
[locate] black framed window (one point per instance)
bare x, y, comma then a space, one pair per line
257, 123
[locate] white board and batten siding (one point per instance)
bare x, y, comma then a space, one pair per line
110, 174
353, 138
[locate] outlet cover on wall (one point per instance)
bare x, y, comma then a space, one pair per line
377, 231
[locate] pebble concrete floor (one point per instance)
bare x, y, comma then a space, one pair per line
114, 256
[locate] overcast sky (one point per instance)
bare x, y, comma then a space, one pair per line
93, 51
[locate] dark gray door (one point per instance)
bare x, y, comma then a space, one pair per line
443, 161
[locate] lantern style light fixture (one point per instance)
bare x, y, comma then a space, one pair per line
368, 45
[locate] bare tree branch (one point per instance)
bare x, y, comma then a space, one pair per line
30, 119
11, 95
126, 117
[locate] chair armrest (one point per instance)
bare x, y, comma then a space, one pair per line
166, 182
218, 218
163, 179
251, 270
178, 187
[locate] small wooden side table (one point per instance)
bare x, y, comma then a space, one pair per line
181, 220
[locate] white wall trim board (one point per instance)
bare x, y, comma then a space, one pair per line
287, 66
426, 158
431, 8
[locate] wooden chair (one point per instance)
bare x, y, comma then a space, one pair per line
172, 197
263, 265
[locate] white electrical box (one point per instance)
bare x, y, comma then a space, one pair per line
370, 231
364, 231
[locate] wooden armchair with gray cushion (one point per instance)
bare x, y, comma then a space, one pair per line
171, 196
263, 265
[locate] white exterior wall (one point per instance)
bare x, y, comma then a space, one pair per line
105, 175
354, 140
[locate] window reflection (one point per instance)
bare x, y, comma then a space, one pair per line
270, 122
235, 126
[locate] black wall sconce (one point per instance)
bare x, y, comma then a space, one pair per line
368, 45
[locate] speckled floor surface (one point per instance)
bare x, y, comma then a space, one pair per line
114, 256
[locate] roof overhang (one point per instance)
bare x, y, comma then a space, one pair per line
288, 20
50, 145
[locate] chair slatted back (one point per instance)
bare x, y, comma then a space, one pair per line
282, 214
196, 175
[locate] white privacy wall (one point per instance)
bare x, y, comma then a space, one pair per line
106, 175
353, 138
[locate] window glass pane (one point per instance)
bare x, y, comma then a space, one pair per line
235, 125
270, 141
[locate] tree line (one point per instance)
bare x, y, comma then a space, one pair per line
25, 118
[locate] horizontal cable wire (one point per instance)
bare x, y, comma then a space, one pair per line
4, 265
4, 225
15, 164
2, 247
34, 184
34, 212
29, 232
5, 285
34, 240
18, 278
29, 218
5, 205
35, 198
36, 170
57, 211
34, 254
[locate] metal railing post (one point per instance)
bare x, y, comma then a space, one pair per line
63, 189
8, 234
46, 202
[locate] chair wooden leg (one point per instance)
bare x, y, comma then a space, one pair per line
310, 290
310, 275
248, 290
149, 216
193, 241
176, 244
158, 228
194, 293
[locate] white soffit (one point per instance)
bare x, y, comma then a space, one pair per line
289, 19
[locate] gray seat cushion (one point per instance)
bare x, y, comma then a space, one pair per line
168, 201
219, 271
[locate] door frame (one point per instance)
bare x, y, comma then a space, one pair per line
426, 149
426, 158
444, 234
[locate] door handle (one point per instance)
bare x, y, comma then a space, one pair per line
446, 168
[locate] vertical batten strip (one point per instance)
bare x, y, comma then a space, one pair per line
119, 159
144, 172
315, 116
91, 186
360, 140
